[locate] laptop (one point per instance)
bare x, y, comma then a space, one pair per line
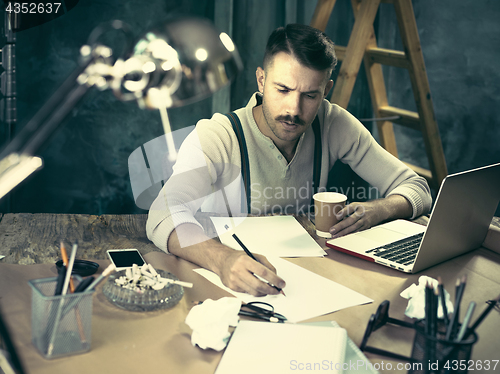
459, 222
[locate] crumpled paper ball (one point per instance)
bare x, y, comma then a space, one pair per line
416, 298
210, 322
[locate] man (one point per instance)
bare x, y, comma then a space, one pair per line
277, 127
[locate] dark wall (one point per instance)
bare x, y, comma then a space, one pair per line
459, 42
86, 167
86, 162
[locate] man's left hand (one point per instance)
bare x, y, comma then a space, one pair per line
361, 216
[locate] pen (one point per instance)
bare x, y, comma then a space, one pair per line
84, 284
482, 316
427, 309
434, 309
88, 289
434, 323
253, 257
104, 274
465, 323
458, 298
69, 269
443, 301
72, 289
65, 259
61, 276
431, 303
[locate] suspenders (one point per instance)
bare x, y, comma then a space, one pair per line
318, 153
245, 164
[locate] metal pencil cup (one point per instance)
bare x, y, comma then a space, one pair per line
60, 325
430, 354
439, 355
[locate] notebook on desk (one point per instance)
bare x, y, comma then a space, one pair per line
263, 347
459, 222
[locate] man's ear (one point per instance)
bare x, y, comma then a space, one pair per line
260, 74
328, 87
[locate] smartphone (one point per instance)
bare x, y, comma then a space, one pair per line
125, 258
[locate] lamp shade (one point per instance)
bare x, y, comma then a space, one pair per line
177, 63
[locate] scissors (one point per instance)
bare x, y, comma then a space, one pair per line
261, 310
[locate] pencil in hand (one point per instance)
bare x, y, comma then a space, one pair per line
255, 259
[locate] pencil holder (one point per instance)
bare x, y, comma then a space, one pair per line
438, 355
60, 325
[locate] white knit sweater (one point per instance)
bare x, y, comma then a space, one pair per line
209, 161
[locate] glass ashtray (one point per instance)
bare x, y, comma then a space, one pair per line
145, 300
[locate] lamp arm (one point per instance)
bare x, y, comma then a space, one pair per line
18, 160
179, 62
44, 123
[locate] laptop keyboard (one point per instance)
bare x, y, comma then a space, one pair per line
402, 251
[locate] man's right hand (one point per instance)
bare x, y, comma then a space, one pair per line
237, 270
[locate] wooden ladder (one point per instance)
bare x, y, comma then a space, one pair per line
362, 45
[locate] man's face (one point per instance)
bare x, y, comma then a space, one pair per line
292, 94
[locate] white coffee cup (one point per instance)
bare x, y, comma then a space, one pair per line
326, 207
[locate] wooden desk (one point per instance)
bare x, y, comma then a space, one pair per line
126, 342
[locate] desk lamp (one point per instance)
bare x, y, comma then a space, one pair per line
177, 63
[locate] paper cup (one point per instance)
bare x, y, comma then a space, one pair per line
326, 206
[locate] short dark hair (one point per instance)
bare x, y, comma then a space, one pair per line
312, 47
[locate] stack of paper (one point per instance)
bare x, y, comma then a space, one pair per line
262, 347
308, 294
280, 236
355, 361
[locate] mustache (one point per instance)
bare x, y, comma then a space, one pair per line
295, 120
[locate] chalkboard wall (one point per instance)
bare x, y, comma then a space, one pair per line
86, 162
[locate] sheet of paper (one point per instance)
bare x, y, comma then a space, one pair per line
352, 353
262, 347
308, 295
280, 236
